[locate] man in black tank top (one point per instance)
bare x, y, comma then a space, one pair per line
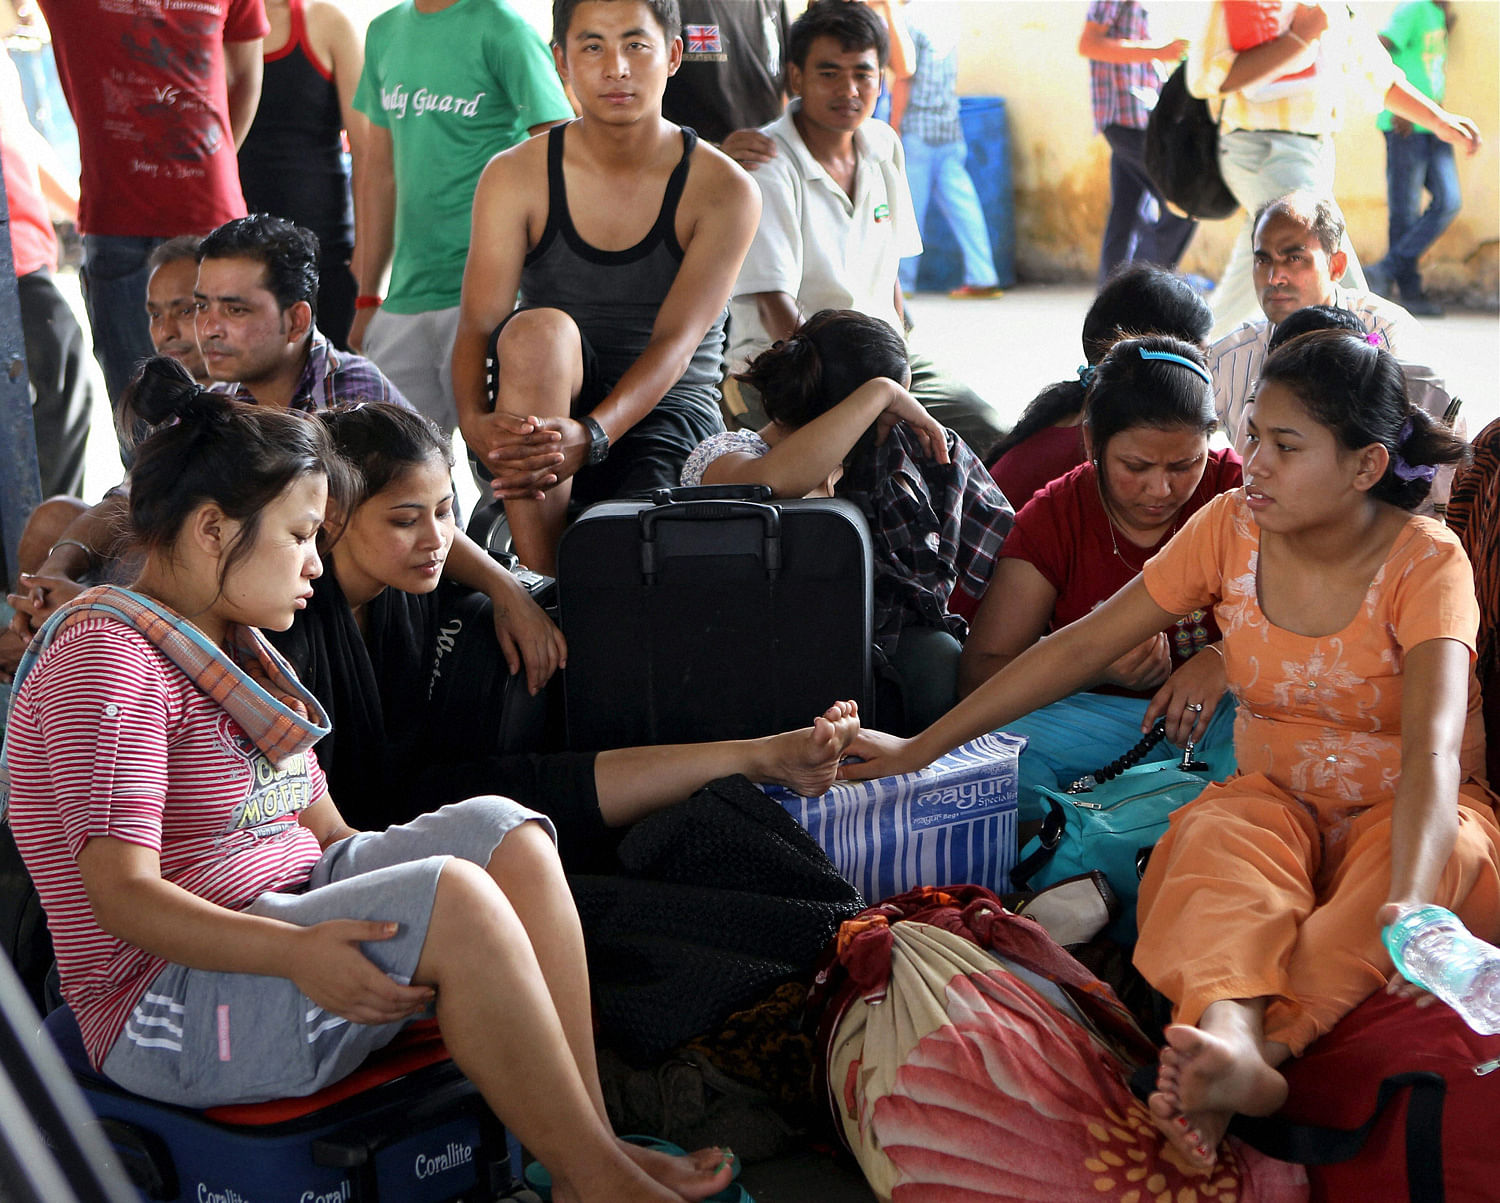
622, 235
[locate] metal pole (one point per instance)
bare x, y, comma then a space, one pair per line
20, 486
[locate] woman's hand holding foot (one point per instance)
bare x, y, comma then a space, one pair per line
880, 755
807, 761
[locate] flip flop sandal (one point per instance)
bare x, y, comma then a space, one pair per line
539, 1180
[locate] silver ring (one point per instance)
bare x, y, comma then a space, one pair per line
1196, 707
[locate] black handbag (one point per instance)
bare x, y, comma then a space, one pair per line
1182, 152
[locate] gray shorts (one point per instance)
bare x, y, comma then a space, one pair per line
199, 1038
415, 352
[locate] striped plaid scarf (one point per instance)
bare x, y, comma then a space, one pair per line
254, 685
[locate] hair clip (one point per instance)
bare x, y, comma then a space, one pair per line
1173, 357
1399, 465
1373, 339
1412, 471
1085, 374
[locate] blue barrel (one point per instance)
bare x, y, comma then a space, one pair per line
987, 132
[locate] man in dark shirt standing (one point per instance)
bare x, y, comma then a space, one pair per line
732, 59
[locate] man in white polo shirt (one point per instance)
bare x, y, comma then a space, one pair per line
836, 215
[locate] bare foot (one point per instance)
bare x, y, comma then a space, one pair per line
807, 761
1195, 1139
623, 1182
1222, 1068
1207, 1076
697, 1175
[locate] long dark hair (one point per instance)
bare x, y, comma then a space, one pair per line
1310, 318
1358, 391
208, 448
824, 361
827, 359
1138, 298
1133, 388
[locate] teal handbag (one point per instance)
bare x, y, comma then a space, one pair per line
1110, 820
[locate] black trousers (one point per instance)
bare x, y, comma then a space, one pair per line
61, 395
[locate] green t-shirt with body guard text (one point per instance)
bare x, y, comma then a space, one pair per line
454, 88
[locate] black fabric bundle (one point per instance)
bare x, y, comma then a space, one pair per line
715, 902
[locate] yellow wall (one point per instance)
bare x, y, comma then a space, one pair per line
1026, 51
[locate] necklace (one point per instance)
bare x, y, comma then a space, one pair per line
1109, 520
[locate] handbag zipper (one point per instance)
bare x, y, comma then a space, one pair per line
1077, 799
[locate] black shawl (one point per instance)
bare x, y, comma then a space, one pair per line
425, 712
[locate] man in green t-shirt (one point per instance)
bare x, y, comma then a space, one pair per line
447, 84
1415, 157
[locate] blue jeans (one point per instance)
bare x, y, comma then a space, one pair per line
1412, 162
113, 276
1140, 226
938, 171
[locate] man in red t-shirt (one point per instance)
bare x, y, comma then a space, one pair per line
162, 94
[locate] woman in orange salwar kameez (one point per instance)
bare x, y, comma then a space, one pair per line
1349, 632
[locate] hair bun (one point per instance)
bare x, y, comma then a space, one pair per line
163, 390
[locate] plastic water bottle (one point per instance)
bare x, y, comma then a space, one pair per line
1433, 948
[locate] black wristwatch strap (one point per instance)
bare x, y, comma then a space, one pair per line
598, 440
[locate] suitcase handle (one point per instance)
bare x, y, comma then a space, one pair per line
711, 493
769, 516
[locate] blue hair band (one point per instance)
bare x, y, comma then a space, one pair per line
1173, 357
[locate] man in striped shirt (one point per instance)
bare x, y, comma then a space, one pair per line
1297, 242
256, 289
256, 295
1282, 78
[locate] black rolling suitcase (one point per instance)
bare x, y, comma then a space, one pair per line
712, 613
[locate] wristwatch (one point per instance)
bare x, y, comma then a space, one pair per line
598, 441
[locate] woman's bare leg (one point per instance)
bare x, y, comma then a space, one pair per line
1211, 1072
634, 782
526, 868
502, 1029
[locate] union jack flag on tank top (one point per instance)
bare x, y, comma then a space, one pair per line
702, 39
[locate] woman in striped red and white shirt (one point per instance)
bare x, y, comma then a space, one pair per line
222, 935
